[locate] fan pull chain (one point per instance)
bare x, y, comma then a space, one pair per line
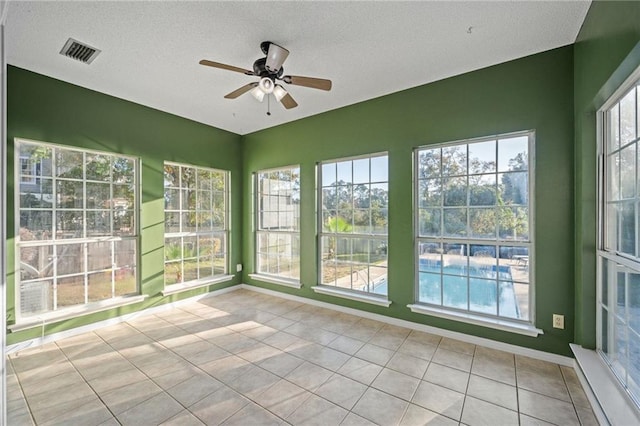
268, 104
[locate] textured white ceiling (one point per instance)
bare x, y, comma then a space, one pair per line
150, 50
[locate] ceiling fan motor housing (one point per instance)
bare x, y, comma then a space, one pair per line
260, 69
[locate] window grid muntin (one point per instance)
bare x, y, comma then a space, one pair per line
192, 236
56, 243
611, 236
291, 233
381, 237
470, 241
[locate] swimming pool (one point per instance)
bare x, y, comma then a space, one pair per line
463, 287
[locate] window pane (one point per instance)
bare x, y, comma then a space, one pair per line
430, 192
125, 281
455, 191
513, 188
98, 167
455, 222
98, 223
513, 154
69, 164
628, 160
100, 286
329, 174
36, 297
482, 223
514, 263
361, 171
429, 161
69, 224
482, 296
36, 262
99, 256
69, 194
482, 190
455, 291
430, 288
345, 171
36, 225
71, 291
614, 128
628, 117
379, 169
482, 157
70, 259
454, 160
627, 228
37, 155
513, 223
98, 195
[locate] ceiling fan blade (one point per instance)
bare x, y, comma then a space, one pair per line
225, 67
288, 102
314, 83
244, 89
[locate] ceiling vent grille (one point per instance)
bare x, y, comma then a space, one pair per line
79, 51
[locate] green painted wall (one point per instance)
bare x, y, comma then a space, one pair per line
607, 51
49, 110
535, 92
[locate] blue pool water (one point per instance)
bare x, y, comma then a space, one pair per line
478, 295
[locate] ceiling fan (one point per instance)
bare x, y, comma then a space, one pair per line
270, 69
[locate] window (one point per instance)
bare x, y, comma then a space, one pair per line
474, 228
196, 223
354, 195
618, 310
77, 233
278, 223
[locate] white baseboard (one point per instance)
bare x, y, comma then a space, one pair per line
39, 341
492, 344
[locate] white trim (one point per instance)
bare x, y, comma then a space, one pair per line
488, 343
374, 300
469, 318
610, 403
74, 312
4, 6
178, 288
276, 280
112, 321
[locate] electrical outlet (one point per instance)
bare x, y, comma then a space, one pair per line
558, 321
239, 267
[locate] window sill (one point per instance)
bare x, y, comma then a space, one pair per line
276, 280
498, 324
374, 300
179, 288
610, 396
74, 312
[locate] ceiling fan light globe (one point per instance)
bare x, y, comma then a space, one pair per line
266, 85
279, 92
257, 93
275, 57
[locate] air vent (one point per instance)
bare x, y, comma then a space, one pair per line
79, 51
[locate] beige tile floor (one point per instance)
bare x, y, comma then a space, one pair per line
245, 358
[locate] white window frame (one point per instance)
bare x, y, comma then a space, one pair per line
225, 231
53, 243
293, 233
519, 326
351, 293
618, 262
